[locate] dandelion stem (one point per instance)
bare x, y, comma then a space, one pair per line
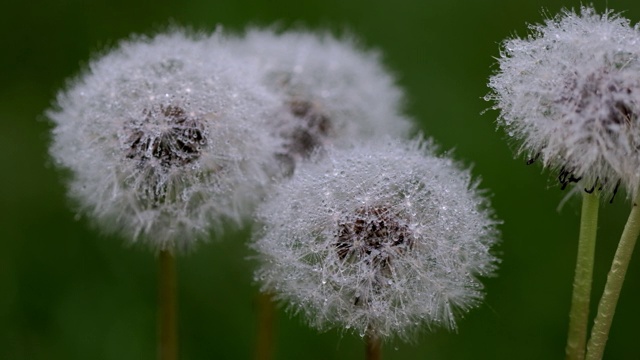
579, 313
615, 279
373, 347
266, 320
167, 321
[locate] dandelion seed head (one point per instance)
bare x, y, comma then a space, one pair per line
164, 139
382, 237
332, 92
570, 94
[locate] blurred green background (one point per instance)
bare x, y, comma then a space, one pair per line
67, 292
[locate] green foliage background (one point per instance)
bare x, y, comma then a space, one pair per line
68, 292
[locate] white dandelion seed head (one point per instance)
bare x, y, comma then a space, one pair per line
163, 138
570, 92
332, 91
383, 237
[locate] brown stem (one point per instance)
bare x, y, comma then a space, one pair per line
167, 319
266, 327
373, 347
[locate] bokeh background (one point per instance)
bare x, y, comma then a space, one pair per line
68, 292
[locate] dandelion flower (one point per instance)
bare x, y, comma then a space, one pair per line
331, 91
570, 92
163, 139
382, 238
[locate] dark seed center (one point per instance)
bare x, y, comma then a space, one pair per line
178, 143
600, 88
373, 234
311, 129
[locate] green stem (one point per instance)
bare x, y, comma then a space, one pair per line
609, 300
167, 319
579, 313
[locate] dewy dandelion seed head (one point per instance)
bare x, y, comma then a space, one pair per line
381, 238
163, 138
571, 93
332, 92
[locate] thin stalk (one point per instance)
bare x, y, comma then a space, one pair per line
373, 347
615, 279
579, 313
266, 327
167, 319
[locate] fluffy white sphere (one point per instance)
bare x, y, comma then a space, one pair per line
570, 92
164, 138
332, 92
382, 238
